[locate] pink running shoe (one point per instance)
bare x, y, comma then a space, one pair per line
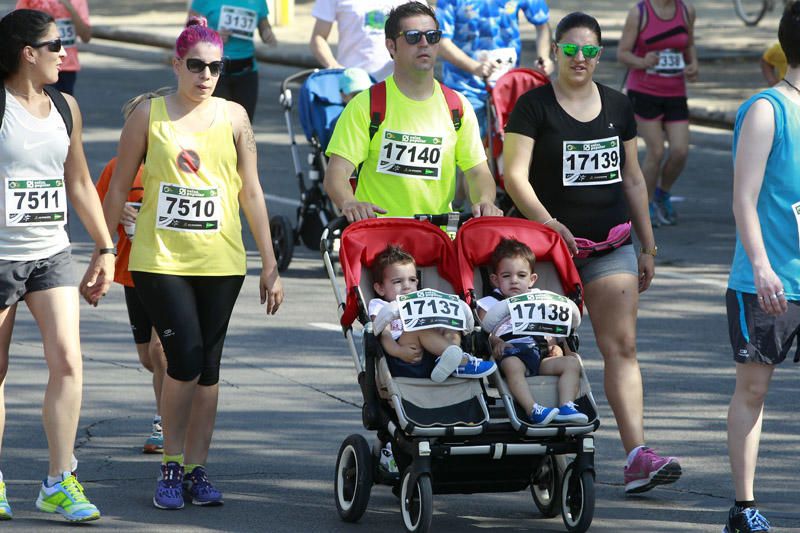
648, 470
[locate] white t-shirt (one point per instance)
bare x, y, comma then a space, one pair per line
375, 306
362, 42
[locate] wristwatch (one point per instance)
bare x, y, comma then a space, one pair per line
649, 251
102, 251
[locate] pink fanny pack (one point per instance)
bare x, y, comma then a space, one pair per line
618, 236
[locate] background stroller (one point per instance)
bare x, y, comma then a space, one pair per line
502, 98
319, 105
458, 436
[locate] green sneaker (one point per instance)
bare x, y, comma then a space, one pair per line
5, 509
67, 498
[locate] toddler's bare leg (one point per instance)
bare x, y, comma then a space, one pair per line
514, 372
569, 371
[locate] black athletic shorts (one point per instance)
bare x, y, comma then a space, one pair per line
757, 337
663, 108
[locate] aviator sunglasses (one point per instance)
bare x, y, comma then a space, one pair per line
197, 66
590, 51
414, 36
53, 45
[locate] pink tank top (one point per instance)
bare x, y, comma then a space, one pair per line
670, 39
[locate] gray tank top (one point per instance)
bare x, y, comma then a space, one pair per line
33, 200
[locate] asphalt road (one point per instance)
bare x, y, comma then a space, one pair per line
289, 394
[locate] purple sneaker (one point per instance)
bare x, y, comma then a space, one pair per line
200, 489
168, 491
648, 470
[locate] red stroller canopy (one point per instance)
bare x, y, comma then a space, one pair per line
362, 241
478, 237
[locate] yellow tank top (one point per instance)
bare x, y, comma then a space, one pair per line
189, 221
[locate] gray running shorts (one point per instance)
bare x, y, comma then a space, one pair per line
623, 260
18, 278
757, 337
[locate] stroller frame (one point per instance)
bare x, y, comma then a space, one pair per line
499, 453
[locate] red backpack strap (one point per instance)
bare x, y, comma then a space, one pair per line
454, 104
377, 107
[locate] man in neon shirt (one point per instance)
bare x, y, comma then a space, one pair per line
408, 165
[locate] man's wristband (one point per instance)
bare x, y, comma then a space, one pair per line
649, 251
102, 251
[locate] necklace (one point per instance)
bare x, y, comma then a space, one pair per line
790, 84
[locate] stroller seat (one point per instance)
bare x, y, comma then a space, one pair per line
421, 407
320, 105
475, 242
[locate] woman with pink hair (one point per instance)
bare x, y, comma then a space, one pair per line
188, 261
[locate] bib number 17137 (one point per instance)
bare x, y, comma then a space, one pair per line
430, 308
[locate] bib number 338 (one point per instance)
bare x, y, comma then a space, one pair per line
195, 209
430, 308
536, 313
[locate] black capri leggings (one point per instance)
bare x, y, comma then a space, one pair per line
141, 326
191, 315
240, 88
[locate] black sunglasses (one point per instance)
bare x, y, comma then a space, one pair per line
414, 36
53, 46
197, 66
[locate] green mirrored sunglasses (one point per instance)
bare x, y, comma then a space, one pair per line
590, 51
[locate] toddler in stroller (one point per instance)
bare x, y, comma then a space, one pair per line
523, 354
412, 353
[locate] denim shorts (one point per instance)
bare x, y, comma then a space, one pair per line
528, 353
622, 260
18, 278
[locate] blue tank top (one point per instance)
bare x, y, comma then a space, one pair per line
778, 204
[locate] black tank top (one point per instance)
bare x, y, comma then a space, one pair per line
576, 168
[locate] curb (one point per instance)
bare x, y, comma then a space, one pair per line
697, 115
263, 54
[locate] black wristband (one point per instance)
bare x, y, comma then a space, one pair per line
102, 251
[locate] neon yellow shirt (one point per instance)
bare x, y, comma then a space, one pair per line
775, 57
189, 222
409, 167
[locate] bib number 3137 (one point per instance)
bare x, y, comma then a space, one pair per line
430, 308
194, 209
35, 202
544, 314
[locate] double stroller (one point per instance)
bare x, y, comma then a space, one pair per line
319, 105
462, 435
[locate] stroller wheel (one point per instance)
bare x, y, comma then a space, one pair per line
353, 482
416, 503
546, 485
282, 240
311, 230
577, 499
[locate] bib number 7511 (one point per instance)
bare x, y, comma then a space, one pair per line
430, 308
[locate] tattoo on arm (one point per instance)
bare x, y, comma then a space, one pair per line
249, 138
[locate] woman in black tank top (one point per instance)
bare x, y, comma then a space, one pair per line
571, 163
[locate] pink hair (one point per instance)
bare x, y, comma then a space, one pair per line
196, 31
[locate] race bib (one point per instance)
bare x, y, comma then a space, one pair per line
595, 162
240, 22
537, 313
670, 63
66, 32
796, 211
430, 308
411, 156
503, 59
35, 202
188, 208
